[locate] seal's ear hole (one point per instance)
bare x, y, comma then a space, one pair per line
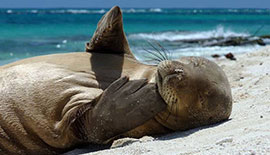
210, 118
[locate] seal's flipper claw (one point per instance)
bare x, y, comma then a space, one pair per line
109, 36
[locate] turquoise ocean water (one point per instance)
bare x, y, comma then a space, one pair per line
31, 32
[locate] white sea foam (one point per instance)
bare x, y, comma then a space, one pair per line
34, 11
232, 10
129, 11
178, 36
9, 11
100, 11
78, 11
207, 51
198, 51
133, 10
58, 11
155, 10
64, 41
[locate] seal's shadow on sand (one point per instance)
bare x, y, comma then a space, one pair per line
182, 134
170, 136
88, 149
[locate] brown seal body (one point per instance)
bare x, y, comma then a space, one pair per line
50, 104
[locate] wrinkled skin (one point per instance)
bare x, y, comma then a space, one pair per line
49, 109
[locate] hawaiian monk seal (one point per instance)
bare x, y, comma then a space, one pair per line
70, 104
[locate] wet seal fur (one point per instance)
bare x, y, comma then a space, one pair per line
51, 104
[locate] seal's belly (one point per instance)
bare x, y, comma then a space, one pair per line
33, 98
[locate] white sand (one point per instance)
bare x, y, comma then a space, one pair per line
248, 130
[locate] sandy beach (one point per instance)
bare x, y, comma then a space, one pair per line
53, 103
246, 132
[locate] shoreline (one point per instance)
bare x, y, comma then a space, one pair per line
246, 132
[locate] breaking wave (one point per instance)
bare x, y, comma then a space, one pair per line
219, 32
155, 10
79, 11
196, 51
9, 12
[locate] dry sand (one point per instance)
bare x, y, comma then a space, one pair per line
247, 131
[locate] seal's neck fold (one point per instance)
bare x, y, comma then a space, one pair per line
109, 36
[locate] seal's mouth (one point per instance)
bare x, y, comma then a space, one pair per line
168, 78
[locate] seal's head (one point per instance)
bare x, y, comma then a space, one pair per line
196, 91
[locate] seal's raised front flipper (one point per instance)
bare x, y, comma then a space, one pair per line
109, 36
119, 109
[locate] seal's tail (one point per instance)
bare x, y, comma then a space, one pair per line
109, 36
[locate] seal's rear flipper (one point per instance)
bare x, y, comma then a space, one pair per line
109, 36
